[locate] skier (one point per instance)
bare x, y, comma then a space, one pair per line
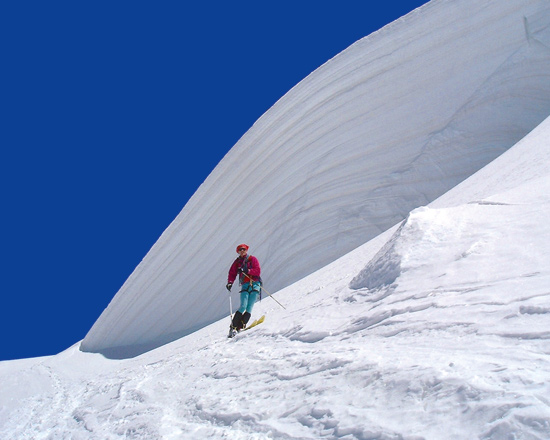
248, 269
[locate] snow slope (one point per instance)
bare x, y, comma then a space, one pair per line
436, 329
388, 125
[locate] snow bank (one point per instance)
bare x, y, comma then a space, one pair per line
388, 125
453, 345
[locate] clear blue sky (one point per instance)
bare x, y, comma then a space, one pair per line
113, 113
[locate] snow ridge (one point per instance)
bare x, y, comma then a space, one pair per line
387, 126
453, 344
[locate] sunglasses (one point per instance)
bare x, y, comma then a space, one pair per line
241, 249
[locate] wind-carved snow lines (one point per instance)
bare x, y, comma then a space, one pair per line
488, 203
533, 310
301, 368
320, 420
298, 333
285, 366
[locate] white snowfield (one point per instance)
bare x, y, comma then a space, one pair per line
388, 125
438, 328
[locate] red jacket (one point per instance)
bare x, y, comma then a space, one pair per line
253, 269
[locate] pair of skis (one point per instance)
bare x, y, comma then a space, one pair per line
233, 332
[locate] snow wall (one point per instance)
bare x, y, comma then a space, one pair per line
388, 125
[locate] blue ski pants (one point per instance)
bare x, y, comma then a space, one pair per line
249, 295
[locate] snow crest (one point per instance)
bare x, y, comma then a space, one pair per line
422, 241
388, 125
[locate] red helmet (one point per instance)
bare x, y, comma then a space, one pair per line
241, 246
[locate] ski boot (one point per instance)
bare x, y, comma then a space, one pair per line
232, 332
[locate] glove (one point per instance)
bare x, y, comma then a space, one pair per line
229, 286
241, 270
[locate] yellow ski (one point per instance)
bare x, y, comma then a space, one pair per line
255, 323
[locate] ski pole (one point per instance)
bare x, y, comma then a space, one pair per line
230, 307
270, 295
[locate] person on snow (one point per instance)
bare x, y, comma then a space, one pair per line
248, 269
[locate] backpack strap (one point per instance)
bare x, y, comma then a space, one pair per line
244, 267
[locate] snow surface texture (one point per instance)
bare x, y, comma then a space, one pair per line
388, 125
437, 329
